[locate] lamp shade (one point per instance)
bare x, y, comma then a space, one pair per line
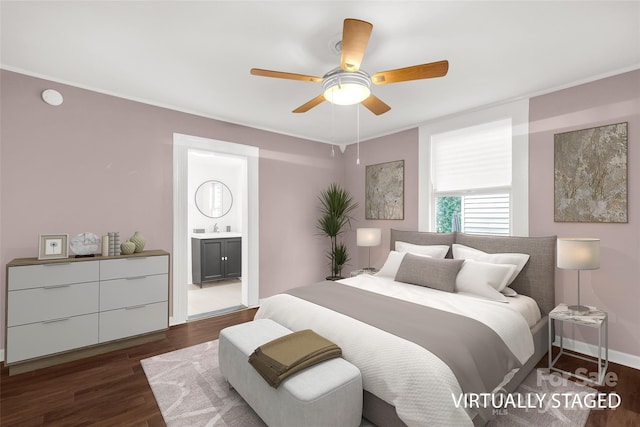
579, 253
368, 236
347, 93
346, 88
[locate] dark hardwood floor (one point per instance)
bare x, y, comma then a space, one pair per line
622, 380
112, 390
106, 390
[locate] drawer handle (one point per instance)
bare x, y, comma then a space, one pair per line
56, 264
56, 286
135, 307
136, 277
135, 258
62, 319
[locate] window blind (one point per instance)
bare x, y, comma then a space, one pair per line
472, 158
486, 214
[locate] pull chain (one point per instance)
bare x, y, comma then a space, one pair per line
333, 127
358, 133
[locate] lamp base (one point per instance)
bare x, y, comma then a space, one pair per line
579, 308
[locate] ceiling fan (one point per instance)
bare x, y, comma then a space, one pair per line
347, 84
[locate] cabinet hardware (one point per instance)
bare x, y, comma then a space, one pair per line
136, 277
56, 286
135, 307
56, 264
62, 319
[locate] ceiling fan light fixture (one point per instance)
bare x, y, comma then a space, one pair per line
346, 88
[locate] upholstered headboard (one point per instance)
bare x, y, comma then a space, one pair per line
537, 278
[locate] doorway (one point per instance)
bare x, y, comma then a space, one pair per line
221, 161
216, 185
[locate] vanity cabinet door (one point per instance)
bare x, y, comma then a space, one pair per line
233, 258
212, 260
206, 262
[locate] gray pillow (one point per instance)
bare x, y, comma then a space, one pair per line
430, 272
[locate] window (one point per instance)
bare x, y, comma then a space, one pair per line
474, 214
487, 176
471, 178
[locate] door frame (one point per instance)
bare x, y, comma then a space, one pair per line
250, 220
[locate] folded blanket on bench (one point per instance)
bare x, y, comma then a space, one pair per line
284, 356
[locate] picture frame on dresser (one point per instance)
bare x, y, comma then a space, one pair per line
53, 246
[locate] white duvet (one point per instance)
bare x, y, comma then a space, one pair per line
421, 389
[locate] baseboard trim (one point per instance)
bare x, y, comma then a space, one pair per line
592, 350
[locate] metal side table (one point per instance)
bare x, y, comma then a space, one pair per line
595, 319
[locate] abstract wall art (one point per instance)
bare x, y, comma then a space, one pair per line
590, 175
384, 190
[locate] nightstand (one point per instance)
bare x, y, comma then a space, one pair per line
594, 318
363, 271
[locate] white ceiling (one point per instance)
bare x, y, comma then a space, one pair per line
196, 56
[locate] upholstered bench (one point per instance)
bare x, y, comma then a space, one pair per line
327, 394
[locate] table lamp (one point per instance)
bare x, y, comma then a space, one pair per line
368, 237
579, 254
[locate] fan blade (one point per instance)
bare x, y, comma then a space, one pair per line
376, 106
283, 75
417, 72
309, 105
355, 37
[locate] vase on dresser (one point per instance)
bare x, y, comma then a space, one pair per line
127, 248
138, 240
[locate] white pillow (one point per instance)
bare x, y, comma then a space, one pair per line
508, 292
483, 279
435, 251
519, 260
392, 264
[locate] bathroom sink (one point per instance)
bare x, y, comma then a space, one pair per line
220, 235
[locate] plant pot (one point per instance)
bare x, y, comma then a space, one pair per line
333, 278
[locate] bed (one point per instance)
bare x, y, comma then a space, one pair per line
381, 325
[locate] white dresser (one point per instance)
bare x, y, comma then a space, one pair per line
58, 307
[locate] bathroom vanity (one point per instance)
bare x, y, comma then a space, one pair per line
216, 256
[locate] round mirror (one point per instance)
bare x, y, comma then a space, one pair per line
213, 199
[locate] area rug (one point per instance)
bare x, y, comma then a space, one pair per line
191, 392
547, 400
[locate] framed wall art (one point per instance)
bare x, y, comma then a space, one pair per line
52, 246
384, 190
590, 175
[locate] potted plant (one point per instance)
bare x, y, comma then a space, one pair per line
336, 205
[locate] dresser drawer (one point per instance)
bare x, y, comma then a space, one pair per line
36, 276
52, 302
121, 293
125, 322
40, 339
133, 266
